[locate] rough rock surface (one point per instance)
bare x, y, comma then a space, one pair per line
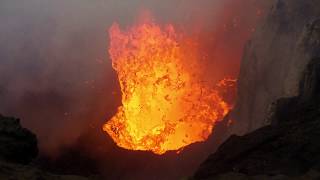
274, 60
18, 148
288, 148
28, 172
17, 144
278, 91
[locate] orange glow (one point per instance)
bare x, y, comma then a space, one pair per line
166, 105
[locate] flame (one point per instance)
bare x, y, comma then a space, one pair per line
165, 103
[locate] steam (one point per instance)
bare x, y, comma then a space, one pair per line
54, 69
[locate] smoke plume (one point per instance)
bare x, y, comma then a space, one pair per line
55, 73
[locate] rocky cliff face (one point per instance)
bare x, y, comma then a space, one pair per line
18, 144
274, 60
10, 171
287, 149
18, 148
279, 89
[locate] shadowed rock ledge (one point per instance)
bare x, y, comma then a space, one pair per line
285, 42
18, 148
289, 148
18, 144
279, 92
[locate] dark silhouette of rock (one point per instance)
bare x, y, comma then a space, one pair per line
18, 148
9, 171
279, 91
274, 60
17, 144
289, 147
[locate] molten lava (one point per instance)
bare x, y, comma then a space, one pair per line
166, 105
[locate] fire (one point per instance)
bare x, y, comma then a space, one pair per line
166, 105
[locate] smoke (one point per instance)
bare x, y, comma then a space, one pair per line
54, 69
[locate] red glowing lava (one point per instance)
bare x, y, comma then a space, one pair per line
166, 105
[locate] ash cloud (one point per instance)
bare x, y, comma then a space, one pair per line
54, 69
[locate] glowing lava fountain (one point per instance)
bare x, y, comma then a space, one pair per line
165, 103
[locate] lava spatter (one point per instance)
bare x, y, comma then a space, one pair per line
165, 104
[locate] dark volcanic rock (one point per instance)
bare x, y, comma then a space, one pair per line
274, 60
9, 171
17, 144
18, 147
279, 87
288, 148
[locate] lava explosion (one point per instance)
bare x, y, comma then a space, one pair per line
165, 103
